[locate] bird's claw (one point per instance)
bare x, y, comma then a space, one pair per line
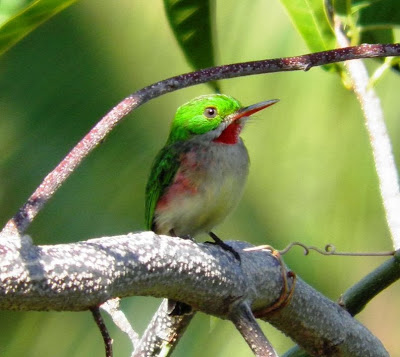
218, 241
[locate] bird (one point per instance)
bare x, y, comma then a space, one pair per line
199, 175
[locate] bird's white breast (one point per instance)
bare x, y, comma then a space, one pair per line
218, 173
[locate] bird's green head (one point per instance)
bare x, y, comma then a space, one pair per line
201, 115
210, 115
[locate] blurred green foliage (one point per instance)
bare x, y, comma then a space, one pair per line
312, 176
18, 18
191, 21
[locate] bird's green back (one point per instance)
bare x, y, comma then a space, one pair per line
164, 168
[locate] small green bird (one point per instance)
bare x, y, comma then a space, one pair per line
199, 175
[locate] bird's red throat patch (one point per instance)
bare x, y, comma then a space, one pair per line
230, 135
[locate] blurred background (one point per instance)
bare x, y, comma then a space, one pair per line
312, 175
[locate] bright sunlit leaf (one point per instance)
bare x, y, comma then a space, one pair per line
309, 18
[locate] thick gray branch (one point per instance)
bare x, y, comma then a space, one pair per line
82, 275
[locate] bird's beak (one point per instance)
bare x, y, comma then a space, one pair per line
251, 109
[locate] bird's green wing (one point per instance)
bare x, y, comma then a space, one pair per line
164, 168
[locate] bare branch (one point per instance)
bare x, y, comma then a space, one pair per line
20, 222
78, 276
112, 308
163, 333
245, 322
103, 329
358, 296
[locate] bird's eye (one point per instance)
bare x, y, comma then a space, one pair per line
210, 112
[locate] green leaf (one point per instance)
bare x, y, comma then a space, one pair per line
28, 19
310, 20
9, 8
376, 20
341, 7
379, 35
190, 21
379, 12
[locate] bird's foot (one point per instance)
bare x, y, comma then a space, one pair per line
178, 308
188, 237
224, 246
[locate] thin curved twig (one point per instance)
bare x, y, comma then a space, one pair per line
112, 307
103, 329
329, 249
244, 320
